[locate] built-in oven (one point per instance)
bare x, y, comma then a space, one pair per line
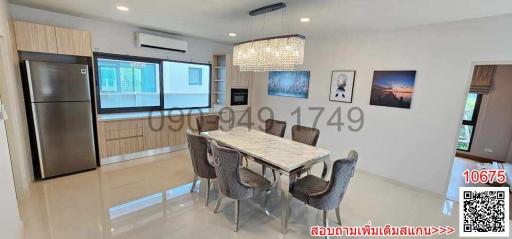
239, 96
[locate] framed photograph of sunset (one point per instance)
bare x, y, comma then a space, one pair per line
393, 88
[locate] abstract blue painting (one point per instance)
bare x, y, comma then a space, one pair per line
289, 83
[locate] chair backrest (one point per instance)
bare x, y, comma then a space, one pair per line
305, 135
342, 171
207, 123
227, 168
197, 146
275, 127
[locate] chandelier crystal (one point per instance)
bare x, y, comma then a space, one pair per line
279, 53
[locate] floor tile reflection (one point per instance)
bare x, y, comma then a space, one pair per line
150, 198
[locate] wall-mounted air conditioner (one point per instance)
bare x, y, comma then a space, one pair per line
158, 42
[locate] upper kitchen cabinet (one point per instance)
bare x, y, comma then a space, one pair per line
35, 37
237, 78
73, 42
51, 39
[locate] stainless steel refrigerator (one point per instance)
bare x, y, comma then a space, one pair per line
62, 119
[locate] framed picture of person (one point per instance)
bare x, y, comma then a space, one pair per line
342, 85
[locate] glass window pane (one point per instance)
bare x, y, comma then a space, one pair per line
109, 82
195, 76
469, 110
125, 84
186, 85
465, 135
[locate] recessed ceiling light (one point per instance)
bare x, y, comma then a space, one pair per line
122, 8
231, 34
304, 19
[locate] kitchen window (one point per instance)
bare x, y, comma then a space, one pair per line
186, 85
131, 84
467, 129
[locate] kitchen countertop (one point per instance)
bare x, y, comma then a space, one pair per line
164, 113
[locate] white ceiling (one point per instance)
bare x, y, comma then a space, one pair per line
214, 19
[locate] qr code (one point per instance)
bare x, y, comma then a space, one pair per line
484, 211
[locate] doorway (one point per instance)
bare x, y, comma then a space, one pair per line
485, 133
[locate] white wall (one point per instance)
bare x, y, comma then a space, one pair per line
9, 217
413, 146
117, 38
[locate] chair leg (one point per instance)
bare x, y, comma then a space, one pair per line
274, 174
325, 218
266, 201
219, 200
263, 170
193, 184
338, 216
237, 214
207, 192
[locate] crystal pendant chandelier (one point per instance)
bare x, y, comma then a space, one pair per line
280, 53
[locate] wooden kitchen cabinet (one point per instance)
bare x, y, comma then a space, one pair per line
178, 126
156, 133
121, 137
35, 37
125, 136
73, 42
237, 78
51, 39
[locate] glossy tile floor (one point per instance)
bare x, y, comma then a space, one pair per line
457, 179
149, 198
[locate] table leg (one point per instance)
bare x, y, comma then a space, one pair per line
285, 181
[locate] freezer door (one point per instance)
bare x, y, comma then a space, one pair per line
64, 136
54, 82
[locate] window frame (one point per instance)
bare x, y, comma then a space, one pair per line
473, 121
160, 62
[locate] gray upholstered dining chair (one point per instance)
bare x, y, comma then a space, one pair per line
236, 182
327, 195
305, 135
276, 128
309, 136
207, 123
198, 147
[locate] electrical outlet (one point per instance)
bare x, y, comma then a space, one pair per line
489, 150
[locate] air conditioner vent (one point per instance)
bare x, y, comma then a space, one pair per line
158, 42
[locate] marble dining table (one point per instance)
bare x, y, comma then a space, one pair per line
285, 156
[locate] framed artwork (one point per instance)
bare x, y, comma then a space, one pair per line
342, 86
393, 88
288, 83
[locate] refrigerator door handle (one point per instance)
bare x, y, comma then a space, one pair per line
38, 140
29, 79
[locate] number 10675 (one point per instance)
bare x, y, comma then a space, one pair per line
485, 176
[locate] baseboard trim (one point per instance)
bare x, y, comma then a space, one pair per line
142, 154
476, 158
